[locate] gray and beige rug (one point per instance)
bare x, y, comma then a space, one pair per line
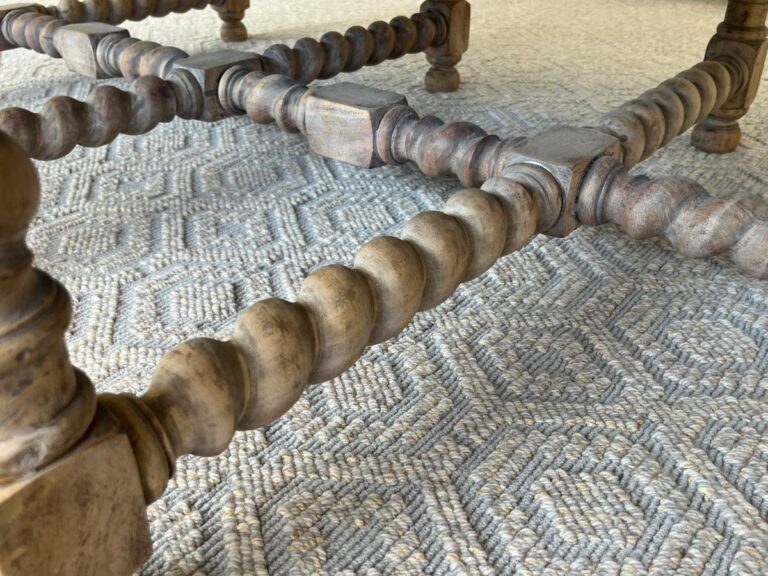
590, 405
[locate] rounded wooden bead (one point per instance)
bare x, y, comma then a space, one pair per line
361, 48
63, 117
721, 77
672, 108
707, 88
444, 247
486, 225
519, 210
337, 49
405, 36
396, 274
383, 42
344, 311
311, 57
276, 339
425, 32
198, 394
111, 106
690, 97
156, 103
652, 119
284, 60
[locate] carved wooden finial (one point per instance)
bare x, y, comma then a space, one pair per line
45, 405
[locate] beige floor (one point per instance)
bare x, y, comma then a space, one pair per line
590, 405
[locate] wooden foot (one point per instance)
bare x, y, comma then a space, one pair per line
440, 79
740, 44
443, 76
717, 135
232, 13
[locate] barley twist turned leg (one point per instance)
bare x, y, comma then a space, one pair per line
740, 42
70, 497
443, 76
232, 13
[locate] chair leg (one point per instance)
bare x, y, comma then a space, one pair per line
232, 13
742, 34
71, 499
443, 76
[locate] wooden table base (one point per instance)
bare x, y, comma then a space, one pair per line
73, 462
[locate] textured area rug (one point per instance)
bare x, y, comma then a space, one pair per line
589, 405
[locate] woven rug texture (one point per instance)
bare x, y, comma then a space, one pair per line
590, 405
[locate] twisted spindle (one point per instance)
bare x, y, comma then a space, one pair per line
357, 47
658, 116
697, 224
204, 390
117, 11
64, 122
308, 60
32, 30
116, 55
457, 149
132, 58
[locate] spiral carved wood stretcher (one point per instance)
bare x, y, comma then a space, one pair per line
71, 460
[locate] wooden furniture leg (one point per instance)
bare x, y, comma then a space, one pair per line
232, 13
70, 497
741, 44
443, 76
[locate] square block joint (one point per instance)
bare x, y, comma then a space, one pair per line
83, 514
341, 121
565, 152
207, 70
78, 44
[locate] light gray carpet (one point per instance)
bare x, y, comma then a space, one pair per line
590, 405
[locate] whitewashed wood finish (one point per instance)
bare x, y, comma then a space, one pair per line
58, 439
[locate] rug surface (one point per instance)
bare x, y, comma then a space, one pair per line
589, 405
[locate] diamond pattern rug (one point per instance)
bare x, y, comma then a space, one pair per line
591, 405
